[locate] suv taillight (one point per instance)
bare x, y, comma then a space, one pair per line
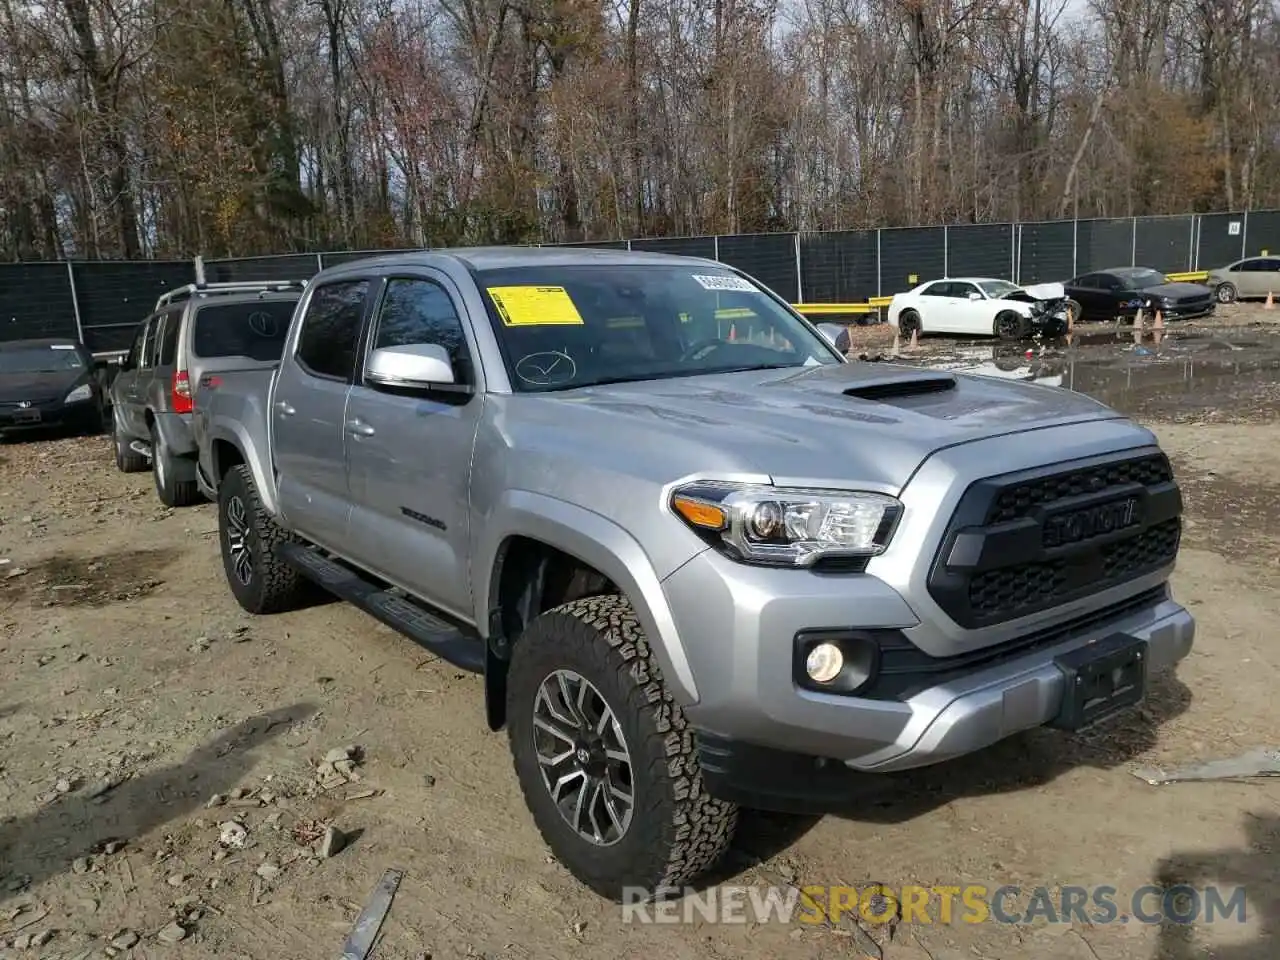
181, 392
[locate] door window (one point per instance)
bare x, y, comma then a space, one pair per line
331, 329
147, 359
415, 311
939, 289
133, 359
962, 290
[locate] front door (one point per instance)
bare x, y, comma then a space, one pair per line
409, 456
309, 412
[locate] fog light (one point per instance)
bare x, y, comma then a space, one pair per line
824, 663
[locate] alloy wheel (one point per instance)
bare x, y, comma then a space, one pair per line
583, 755
238, 540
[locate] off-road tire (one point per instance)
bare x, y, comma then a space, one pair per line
1226, 293
909, 322
171, 491
677, 831
1010, 325
126, 460
273, 586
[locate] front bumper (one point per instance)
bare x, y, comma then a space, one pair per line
50, 415
971, 700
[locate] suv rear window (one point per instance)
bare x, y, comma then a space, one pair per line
254, 330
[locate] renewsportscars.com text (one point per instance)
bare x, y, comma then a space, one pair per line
939, 904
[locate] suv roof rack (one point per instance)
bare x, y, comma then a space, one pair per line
249, 286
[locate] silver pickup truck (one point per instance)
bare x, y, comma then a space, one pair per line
702, 561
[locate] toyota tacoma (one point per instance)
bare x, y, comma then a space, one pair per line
702, 561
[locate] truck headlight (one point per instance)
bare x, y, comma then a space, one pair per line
81, 392
788, 527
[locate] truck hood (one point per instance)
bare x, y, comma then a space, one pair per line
873, 423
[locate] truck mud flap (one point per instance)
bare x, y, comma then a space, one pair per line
459, 647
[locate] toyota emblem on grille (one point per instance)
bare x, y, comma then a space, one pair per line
23, 404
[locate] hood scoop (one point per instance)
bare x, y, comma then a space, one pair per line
901, 386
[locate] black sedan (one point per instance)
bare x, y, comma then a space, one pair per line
1121, 291
50, 383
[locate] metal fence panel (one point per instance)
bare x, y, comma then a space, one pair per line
1163, 243
909, 256
296, 266
1263, 229
597, 244
839, 266
1103, 244
1220, 240
680, 246
35, 301
769, 257
980, 250
1046, 252
116, 295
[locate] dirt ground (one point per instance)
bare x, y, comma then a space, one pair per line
133, 693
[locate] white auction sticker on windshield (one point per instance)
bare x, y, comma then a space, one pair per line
724, 283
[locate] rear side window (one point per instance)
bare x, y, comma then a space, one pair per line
331, 329
255, 330
169, 338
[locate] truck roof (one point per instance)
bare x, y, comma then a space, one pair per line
486, 258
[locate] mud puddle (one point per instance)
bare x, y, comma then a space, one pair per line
1159, 376
63, 580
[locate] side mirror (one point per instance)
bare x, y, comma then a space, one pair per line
415, 365
974, 295
837, 334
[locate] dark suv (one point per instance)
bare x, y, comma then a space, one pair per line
194, 332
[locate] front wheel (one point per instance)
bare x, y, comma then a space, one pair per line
260, 579
127, 461
604, 755
1227, 293
1010, 326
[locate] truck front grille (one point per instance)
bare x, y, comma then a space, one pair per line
1021, 543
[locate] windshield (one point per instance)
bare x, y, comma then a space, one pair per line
41, 360
1141, 278
562, 327
255, 330
995, 289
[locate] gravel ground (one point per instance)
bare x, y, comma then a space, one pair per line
169, 766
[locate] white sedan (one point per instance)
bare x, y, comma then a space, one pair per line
980, 306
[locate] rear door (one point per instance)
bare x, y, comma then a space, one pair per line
308, 412
408, 455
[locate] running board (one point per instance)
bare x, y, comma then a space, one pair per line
401, 614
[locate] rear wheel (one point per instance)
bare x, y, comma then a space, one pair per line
171, 491
1227, 293
909, 323
127, 460
259, 578
604, 755
1010, 325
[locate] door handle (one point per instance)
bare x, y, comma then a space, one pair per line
285, 409
358, 428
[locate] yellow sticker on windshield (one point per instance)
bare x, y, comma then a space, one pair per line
535, 306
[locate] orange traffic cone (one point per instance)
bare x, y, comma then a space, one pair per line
1271, 301
733, 333
915, 339
1159, 322
897, 343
